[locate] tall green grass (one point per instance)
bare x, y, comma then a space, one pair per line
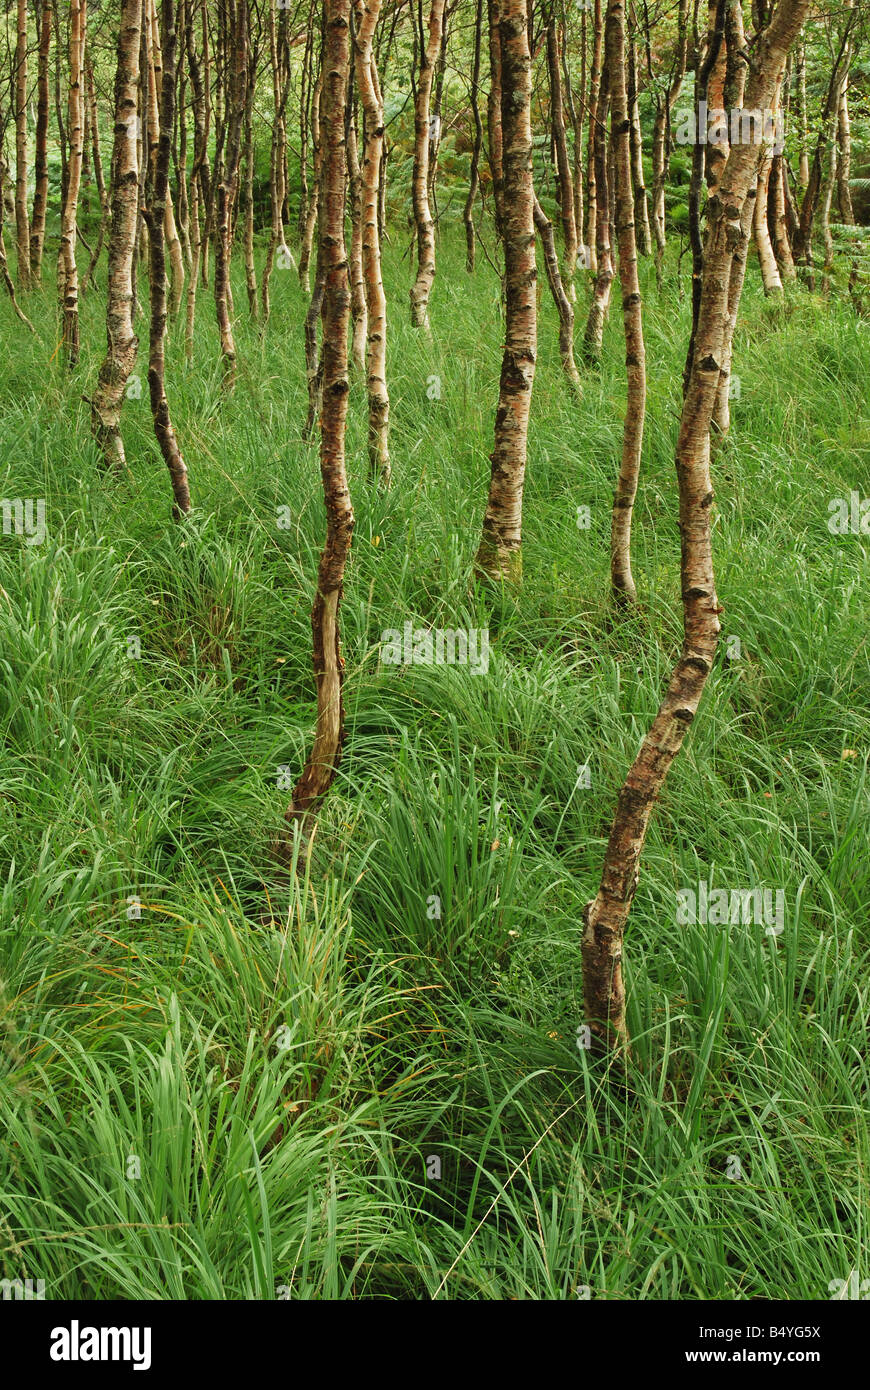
218, 1084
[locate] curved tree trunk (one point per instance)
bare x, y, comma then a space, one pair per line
122, 341
606, 915
499, 555
564, 307
325, 755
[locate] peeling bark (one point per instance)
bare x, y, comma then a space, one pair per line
606, 915
122, 343
622, 582
499, 555
325, 756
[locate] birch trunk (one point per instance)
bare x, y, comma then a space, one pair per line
358, 308
606, 915
237, 31
40, 161
155, 217
22, 221
325, 755
499, 555
622, 582
366, 12
68, 288
122, 343
422, 287
563, 166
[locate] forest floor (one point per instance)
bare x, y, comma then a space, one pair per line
218, 1086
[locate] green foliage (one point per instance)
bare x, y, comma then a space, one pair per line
238, 1089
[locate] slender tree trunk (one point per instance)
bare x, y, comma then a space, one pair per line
590, 237
4, 264
474, 178
563, 165
199, 191
102, 192
68, 287
366, 13
803, 132
314, 195
122, 343
313, 358
155, 217
706, 64
606, 915
777, 220
22, 221
195, 256
493, 115
277, 169
770, 277
422, 287
40, 165
804, 235
575, 114
325, 755
593, 337
564, 307
826, 198
662, 134
358, 309
621, 579
248, 198
641, 202
844, 161
172, 239
237, 30
499, 555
